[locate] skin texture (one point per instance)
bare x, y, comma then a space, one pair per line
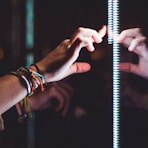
55, 66
56, 96
137, 43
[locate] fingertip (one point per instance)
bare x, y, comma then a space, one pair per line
81, 67
119, 39
90, 48
130, 48
102, 32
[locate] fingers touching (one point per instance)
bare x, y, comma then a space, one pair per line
88, 37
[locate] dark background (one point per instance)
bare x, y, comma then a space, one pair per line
53, 22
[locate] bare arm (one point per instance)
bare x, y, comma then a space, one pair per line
11, 92
55, 66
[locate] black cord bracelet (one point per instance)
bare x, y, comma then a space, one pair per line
37, 68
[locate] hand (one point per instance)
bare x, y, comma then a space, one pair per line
56, 96
60, 63
136, 42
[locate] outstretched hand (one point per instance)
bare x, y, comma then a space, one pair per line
61, 62
136, 42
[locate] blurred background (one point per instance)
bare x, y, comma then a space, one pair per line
31, 28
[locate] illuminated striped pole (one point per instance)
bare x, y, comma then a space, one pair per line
113, 25
110, 21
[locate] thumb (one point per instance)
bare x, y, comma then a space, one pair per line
129, 67
79, 67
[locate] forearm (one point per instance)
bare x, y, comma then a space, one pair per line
55, 66
11, 92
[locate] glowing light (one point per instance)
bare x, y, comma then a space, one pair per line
110, 21
29, 24
29, 59
113, 31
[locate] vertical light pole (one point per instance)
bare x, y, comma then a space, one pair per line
113, 25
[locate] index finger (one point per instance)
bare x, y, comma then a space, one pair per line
89, 33
129, 33
102, 32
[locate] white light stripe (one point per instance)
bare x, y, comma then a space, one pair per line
113, 31
110, 21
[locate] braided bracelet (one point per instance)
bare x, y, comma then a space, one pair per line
31, 79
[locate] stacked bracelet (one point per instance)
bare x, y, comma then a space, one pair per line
31, 80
